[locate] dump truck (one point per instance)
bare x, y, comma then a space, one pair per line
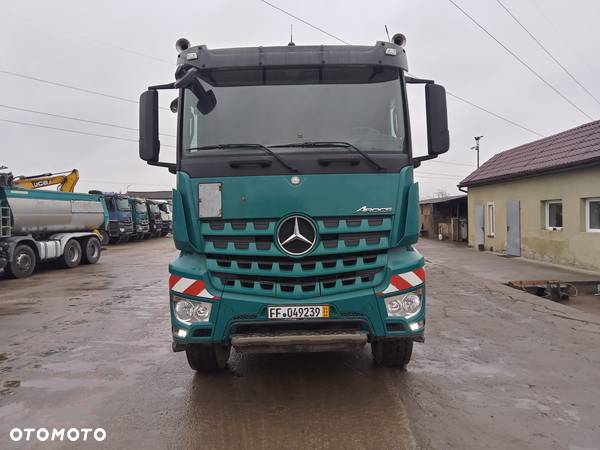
40, 225
154, 219
166, 216
141, 224
120, 220
295, 211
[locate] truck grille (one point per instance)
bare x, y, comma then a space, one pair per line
351, 254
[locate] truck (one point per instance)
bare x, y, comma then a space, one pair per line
166, 216
39, 225
141, 225
120, 218
295, 210
154, 219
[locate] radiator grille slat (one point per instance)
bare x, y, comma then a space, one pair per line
242, 257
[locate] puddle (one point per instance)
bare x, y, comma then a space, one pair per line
581, 295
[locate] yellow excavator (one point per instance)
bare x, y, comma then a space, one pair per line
66, 181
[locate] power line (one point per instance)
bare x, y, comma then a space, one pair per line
106, 124
67, 130
305, 22
537, 41
523, 63
22, 17
498, 116
75, 88
481, 108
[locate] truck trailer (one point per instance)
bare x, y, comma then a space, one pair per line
39, 225
295, 211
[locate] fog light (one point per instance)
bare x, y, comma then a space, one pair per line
181, 333
189, 312
415, 326
405, 305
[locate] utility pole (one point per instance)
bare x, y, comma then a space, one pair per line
476, 148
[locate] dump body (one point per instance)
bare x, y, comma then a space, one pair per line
44, 212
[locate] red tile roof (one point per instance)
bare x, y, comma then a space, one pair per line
575, 147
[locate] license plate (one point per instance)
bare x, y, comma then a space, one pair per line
298, 312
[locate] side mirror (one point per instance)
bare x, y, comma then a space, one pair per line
438, 137
149, 143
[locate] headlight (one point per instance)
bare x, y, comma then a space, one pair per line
405, 305
189, 312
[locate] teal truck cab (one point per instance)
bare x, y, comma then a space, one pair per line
154, 219
295, 211
141, 224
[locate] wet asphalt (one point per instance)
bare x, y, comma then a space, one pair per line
90, 347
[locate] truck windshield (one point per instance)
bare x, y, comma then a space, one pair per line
369, 115
140, 207
123, 204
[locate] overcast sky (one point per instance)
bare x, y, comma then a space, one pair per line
76, 43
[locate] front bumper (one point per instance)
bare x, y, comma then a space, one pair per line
235, 314
355, 319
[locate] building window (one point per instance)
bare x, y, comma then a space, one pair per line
491, 219
592, 214
554, 215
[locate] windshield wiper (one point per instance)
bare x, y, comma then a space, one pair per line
317, 144
259, 146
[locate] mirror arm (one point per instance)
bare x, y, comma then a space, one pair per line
162, 86
412, 80
171, 166
419, 159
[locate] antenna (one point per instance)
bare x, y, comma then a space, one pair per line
291, 43
388, 33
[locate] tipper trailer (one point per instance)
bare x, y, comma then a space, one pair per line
295, 211
39, 225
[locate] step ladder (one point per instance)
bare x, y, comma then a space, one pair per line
5, 222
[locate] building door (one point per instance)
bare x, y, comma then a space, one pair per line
479, 227
513, 228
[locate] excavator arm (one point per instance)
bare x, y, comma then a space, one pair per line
66, 181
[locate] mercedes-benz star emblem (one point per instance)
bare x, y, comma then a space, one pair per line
296, 235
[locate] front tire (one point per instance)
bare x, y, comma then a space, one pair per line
91, 250
22, 263
72, 254
104, 237
392, 352
208, 358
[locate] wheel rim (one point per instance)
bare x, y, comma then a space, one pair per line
23, 262
73, 254
93, 250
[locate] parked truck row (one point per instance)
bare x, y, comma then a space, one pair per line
134, 219
68, 228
